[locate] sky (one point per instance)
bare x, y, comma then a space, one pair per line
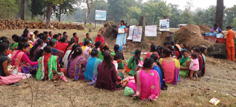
204, 4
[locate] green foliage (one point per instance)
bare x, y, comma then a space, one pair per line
37, 7
234, 23
8, 9
65, 8
230, 14
55, 2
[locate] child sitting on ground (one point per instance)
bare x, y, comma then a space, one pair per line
194, 66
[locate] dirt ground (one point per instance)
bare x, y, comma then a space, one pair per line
220, 72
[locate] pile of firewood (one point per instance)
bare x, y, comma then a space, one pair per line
21, 24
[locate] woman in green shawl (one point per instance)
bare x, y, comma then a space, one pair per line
184, 64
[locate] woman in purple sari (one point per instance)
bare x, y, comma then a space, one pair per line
76, 65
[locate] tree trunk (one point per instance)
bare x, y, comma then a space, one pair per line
59, 16
49, 14
219, 13
88, 12
22, 10
141, 21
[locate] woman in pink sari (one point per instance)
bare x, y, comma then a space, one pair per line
148, 82
21, 60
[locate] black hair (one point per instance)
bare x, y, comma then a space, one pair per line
63, 39
47, 49
22, 45
148, 63
153, 48
87, 34
97, 44
78, 51
72, 49
172, 43
51, 43
86, 42
3, 46
166, 43
196, 49
184, 45
202, 49
136, 57
116, 48
36, 32
185, 51
14, 37
194, 55
74, 34
5, 39
72, 40
24, 40
123, 22
107, 59
39, 42
229, 27
40, 35
44, 38
155, 58
59, 34
94, 52
55, 36
215, 25
166, 52
25, 32
64, 33
45, 32
50, 32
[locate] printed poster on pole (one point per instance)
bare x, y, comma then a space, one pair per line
100, 15
151, 30
164, 25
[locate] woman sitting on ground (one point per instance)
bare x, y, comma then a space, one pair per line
98, 45
106, 73
68, 50
90, 73
170, 66
16, 39
88, 38
215, 32
21, 60
76, 65
6, 76
152, 51
157, 67
63, 44
35, 51
148, 82
49, 68
119, 57
55, 51
184, 64
133, 62
86, 49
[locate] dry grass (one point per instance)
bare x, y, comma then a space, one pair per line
222, 75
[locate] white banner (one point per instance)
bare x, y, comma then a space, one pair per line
137, 37
164, 25
131, 32
100, 15
151, 30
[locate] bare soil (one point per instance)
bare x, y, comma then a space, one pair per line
222, 85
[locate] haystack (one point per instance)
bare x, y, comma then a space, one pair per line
204, 28
109, 30
191, 36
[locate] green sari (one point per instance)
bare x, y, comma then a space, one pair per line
183, 63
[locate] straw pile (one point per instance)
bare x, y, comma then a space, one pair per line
191, 36
204, 28
109, 30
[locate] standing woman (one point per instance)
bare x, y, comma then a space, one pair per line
121, 35
76, 65
230, 43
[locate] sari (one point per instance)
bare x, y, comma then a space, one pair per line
58, 53
148, 85
90, 73
48, 68
183, 63
171, 71
131, 65
121, 38
76, 68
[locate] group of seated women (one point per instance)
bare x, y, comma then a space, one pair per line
54, 58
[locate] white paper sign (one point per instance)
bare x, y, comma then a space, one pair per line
121, 30
131, 32
164, 25
137, 37
151, 30
100, 14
